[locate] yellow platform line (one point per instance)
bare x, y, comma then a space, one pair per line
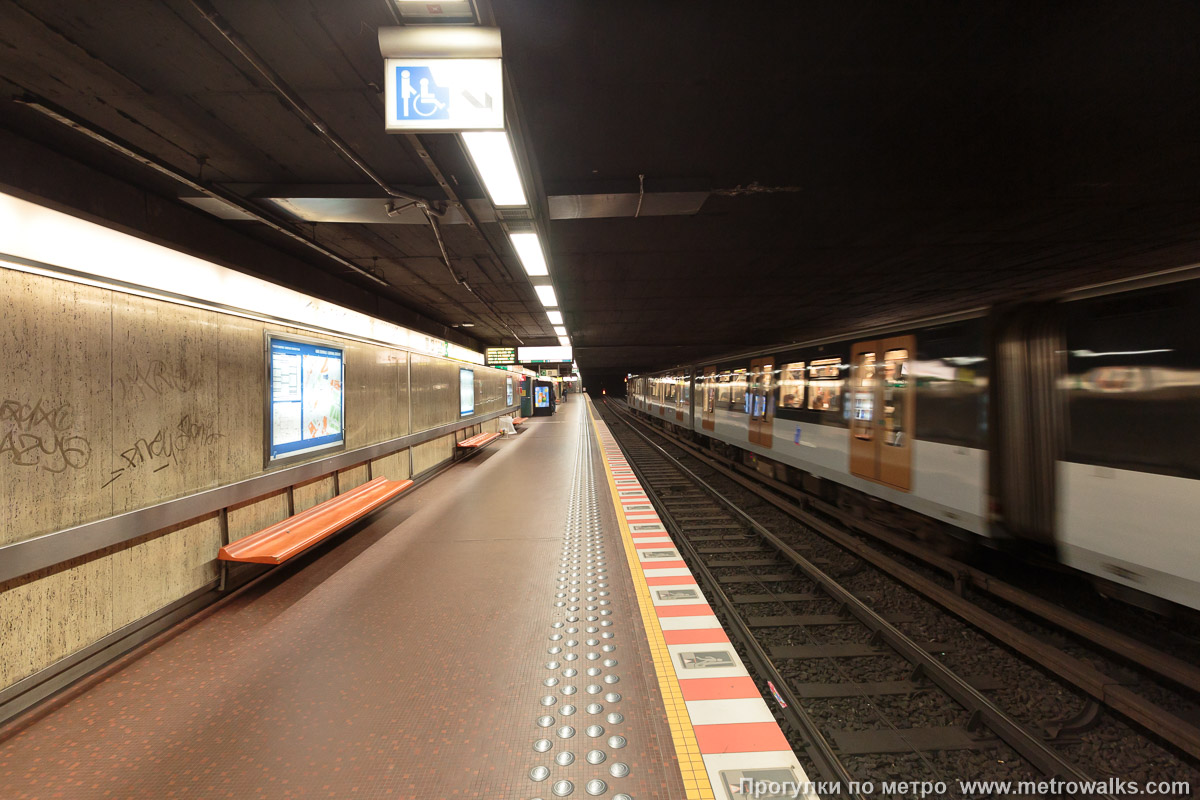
687, 751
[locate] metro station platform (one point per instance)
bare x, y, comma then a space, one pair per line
520, 627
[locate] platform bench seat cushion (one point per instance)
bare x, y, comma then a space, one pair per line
297, 533
479, 440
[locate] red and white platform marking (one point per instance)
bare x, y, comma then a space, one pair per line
735, 730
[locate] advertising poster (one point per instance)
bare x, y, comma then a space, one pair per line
466, 392
508, 383
306, 398
541, 396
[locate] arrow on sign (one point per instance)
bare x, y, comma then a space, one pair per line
471, 99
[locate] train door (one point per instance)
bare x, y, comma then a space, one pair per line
882, 411
758, 401
708, 405
682, 393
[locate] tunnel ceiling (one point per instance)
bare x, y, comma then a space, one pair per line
829, 166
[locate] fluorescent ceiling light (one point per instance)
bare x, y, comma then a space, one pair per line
555, 317
546, 294
529, 250
559, 330
497, 168
564, 341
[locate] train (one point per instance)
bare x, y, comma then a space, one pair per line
1063, 427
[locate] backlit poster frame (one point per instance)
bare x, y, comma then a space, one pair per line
466, 392
508, 385
286, 359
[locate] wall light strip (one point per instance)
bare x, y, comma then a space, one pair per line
92, 254
545, 293
493, 157
555, 317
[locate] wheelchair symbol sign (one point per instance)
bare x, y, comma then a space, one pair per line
418, 96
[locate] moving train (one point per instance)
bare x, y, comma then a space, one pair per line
1066, 427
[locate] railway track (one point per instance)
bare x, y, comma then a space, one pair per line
850, 680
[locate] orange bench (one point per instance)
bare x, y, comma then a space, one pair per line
518, 420
297, 533
479, 440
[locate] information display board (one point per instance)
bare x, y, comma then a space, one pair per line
466, 392
544, 355
500, 356
306, 398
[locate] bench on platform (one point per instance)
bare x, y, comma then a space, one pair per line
297, 533
518, 420
478, 440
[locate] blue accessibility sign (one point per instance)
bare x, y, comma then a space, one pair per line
418, 97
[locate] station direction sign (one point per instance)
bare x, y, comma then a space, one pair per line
444, 95
496, 356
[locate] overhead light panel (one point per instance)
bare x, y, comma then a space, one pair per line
555, 317
564, 341
425, 12
559, 330
529, 251
546, 294
493, 157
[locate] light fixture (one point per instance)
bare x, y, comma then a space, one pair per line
555, 317
559, 330
493, 157
545, 293
529, 250
564, 341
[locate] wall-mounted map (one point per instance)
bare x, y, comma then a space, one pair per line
307, 398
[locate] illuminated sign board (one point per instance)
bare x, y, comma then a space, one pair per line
500, 355
444, 94
544, 355
306, 398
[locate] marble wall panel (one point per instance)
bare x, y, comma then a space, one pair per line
430, 454
350, 477
375, 407
165, 426
254, 515
156, 570
393, 466
434, 392
55, 404
47, 615
314, 492
241, 397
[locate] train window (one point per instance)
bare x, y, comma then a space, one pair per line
950, 377
723, 387
825, 385
1133, 381
737, 390
895, 381
791, 385
862, 419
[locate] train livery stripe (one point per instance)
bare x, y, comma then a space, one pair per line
716, 712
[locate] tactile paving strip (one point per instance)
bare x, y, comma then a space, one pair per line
583, 666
